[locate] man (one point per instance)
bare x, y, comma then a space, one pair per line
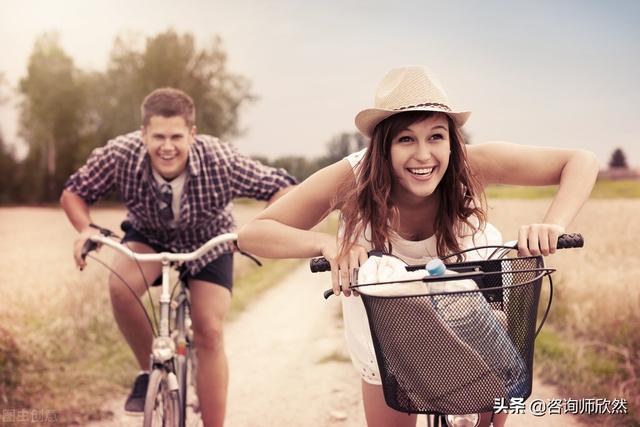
177, 187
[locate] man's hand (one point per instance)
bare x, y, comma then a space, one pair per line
78, 244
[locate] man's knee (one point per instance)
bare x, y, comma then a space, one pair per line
121, 289
210, 335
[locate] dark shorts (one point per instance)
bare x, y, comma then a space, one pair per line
219, 271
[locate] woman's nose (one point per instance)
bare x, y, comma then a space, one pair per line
423, 152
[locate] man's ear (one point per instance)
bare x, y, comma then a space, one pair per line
143, 129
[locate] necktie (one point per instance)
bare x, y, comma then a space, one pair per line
166, 198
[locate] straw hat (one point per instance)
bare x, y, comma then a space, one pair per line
407, 89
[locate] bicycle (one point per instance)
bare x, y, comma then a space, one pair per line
448, 370
173, 353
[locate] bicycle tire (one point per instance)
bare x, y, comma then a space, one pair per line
161, 405
193, 377
182, 363
182, 372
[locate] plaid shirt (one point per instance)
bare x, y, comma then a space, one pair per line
216, 174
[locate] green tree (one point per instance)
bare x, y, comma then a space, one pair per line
167, 59
618, 159
9, 168
51, 117
344, 144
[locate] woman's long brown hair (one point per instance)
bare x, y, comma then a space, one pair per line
459, 192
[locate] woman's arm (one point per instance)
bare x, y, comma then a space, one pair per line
282, 230
574, 170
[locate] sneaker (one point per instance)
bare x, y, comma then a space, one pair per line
135, 402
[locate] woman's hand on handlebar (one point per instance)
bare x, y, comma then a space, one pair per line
538, 239
341, 269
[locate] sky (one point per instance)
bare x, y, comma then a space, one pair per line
551, 73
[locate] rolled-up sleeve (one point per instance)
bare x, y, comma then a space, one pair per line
250, 178
95, 179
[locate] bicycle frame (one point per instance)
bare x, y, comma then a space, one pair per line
164, 350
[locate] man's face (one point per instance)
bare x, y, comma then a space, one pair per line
168, 140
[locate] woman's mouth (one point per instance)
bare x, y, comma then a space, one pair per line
422, 173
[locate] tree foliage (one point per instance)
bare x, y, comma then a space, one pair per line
167, 59
344, 144
9, 168
618, 159
338, 148
66, 112
50, 118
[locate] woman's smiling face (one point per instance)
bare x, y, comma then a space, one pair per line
420, 157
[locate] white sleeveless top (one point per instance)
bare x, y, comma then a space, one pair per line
356, 325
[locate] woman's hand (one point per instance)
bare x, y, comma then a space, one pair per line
538, 239
341, 269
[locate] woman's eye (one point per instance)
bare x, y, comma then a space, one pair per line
437, 136
405, 139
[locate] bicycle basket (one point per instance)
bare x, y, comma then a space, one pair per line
455, 352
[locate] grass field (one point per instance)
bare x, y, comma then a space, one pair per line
591, 344
604, 189
60, 350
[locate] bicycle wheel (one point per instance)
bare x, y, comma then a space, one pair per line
181, 371
161, 405
182, 358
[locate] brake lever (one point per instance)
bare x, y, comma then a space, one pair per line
247, 254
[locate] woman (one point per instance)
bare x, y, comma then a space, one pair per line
417, 192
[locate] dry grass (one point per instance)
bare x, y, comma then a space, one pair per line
592, 344
59, 347
71, 353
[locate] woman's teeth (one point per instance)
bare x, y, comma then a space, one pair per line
421, 171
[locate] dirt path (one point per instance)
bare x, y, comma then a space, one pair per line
288, 366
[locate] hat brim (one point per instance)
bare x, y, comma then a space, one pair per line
367, 120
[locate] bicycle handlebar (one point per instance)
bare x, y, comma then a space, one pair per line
94, 240
565, 241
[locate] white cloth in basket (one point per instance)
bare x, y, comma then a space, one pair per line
464, 323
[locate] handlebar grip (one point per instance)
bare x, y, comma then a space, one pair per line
126, 225
88, 246
328, 293
567, 241
318, 265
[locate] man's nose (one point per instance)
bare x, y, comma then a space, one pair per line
167, 144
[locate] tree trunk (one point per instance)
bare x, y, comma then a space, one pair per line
51, 168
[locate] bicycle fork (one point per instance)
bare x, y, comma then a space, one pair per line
163, 348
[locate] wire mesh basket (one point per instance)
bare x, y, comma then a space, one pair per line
456, 352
